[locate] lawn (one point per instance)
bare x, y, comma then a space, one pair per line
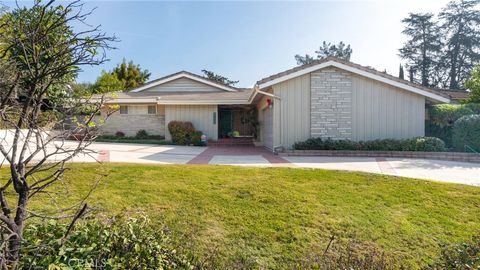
270, 217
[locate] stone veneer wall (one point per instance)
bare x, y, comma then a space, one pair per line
131, 124
331, 104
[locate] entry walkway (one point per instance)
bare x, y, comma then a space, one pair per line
231, 155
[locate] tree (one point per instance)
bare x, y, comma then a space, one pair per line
401, 74
461, 20
40, 55
304, 60
218, 78
423, 45
341, 50
130, 75
473, 84
107, 82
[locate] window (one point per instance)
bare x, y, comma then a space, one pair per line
123, 109
152, 109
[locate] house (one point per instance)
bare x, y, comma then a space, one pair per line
328, 98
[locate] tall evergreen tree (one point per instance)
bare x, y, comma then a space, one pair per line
461, 21
340, 50
303, 60
401, 74
218, 78
130, 74
422, 47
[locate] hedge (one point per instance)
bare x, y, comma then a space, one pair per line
426, 144
466, 131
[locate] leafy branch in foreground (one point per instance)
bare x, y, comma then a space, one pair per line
41, 53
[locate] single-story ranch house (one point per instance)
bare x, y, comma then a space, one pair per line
329, 98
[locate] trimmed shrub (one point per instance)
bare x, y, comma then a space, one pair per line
142, 134
429, 144
182, 132
475, 107
443, 116
119, 134
118, 243
466, 131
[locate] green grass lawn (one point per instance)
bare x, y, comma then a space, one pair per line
273, 216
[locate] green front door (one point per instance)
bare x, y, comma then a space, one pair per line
225, 122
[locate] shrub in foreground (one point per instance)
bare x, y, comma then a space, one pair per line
466, 131
429, 144
459, 256
119, 243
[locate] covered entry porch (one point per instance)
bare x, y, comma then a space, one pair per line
237, 124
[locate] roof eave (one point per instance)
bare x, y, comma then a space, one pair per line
182, 74
358, 71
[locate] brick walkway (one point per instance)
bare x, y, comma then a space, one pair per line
206, 156
385, 166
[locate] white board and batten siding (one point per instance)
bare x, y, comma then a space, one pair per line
381, 111
267, 129
201, 116
292, 111
183, 85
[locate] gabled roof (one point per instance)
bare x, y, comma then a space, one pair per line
184, 74
241, 96
356, 69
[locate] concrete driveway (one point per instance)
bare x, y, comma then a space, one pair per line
448, 171
438, 170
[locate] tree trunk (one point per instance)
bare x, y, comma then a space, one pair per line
15, 243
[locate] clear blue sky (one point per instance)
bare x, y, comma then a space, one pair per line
247, 41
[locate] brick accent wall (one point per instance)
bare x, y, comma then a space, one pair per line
331, 104
131, 124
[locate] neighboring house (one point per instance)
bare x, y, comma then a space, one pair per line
329, 98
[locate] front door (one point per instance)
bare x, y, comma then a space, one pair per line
225, 121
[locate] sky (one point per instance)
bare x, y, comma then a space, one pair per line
248, 40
